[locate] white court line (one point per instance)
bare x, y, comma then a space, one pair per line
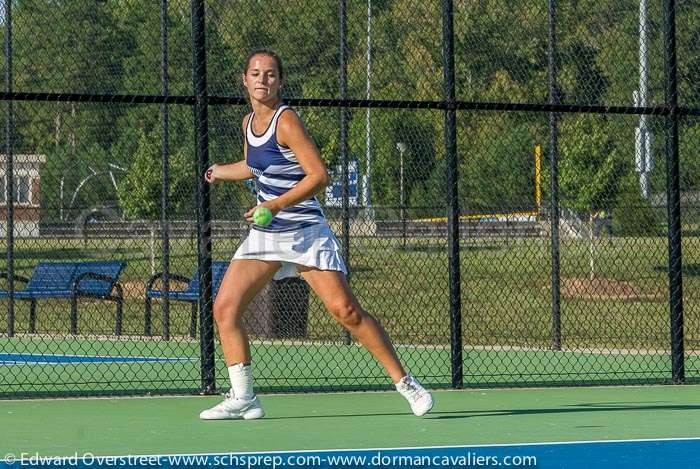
27, 359
140, 357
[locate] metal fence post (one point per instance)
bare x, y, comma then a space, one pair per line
344, 122
554, 176
165, 189
199, 76
673, 201
9, 172
452, 177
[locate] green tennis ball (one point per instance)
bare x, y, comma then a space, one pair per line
262, 216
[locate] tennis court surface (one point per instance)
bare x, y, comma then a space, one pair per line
633, 426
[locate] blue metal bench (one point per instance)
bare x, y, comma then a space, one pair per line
71, 280
189, 294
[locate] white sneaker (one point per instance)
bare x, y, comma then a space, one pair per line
417, 396
232, 408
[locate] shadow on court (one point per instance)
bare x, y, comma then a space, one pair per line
568, 409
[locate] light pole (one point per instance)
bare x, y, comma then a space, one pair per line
402, 148
644, 159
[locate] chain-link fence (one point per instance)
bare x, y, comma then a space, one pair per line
508, 184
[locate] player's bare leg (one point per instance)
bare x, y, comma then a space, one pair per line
332, 288
243, 281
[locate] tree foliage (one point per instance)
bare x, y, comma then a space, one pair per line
106, 46
140, 191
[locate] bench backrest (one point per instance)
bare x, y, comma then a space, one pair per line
52, 276
218, 269
93, 286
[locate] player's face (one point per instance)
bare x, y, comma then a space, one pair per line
262, 80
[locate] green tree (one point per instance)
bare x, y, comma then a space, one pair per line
689, 145
140, 191
590, 169
80, 52
590, 165
497, 174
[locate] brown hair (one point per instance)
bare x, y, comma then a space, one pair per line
269, 53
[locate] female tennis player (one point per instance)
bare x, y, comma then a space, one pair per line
286, 165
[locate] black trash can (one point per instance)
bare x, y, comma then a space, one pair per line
280, 310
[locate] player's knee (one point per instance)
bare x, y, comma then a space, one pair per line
347, 313
224, 313
219, 311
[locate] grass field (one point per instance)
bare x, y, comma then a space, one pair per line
613, 327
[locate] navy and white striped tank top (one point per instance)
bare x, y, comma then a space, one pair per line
276, 170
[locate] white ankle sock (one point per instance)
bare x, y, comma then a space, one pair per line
241, 377
401, 383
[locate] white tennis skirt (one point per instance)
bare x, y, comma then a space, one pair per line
314, 246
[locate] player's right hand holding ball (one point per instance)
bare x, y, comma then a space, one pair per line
210, 174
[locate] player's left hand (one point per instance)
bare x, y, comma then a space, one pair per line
270, 204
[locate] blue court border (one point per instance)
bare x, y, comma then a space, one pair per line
40, 359
681, 452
